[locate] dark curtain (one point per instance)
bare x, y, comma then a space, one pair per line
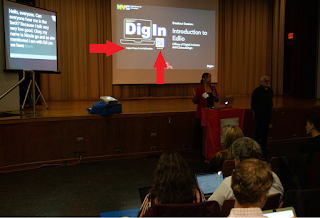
302, 20
26, 2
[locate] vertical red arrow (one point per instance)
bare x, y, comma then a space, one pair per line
160, 64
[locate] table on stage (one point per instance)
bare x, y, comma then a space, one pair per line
212, 128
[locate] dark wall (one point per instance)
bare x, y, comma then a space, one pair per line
300, 57
26, 2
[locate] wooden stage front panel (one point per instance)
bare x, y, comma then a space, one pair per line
51, 135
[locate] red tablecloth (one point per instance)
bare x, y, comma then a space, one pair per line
211, 119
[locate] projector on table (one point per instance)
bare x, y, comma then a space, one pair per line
108, 100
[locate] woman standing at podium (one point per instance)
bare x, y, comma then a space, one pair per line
205, 96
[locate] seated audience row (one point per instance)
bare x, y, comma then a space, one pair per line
173, 183
242, 149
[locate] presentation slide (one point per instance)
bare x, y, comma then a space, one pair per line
185, 33
30, 37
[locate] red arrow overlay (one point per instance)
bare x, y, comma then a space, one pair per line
160, 64
109, 48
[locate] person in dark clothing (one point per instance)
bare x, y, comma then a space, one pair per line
313, 129
262, 104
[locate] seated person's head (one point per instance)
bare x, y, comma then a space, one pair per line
245, 148
232, 133
173, 183
313, 122
251, 181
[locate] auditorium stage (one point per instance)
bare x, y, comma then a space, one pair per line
146, 126
69, 109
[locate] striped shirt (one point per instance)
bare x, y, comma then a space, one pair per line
246, 212
147, 203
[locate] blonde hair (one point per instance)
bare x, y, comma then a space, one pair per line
233, 133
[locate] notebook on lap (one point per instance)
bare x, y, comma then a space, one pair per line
286, 212
209, 182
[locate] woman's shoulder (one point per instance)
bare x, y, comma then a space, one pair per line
199, 195
200, 87
224, 154
221, 157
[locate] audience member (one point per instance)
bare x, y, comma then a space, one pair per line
313, 129
173, 184
251, 181
242, 149
215, 165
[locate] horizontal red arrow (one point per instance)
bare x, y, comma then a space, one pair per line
109, 48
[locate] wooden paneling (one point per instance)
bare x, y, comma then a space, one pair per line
249, 124
182, 130
49, 140
149, 91
51, 134
287, 123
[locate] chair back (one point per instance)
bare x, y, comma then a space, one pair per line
227, 205
275, 166
272, 202
209, 208
305, 202
314, 172
227, 168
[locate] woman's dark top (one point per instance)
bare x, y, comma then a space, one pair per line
215, 164
210, 100
311, 147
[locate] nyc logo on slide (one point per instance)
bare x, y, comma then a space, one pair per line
124, 7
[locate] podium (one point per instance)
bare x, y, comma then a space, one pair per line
211, 122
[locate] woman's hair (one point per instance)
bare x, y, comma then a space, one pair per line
250, 180
204, 76
233, 133
172, 182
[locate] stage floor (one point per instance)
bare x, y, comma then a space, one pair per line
146, 106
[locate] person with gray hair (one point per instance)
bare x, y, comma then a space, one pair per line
261, 105
242, 149
246, 148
